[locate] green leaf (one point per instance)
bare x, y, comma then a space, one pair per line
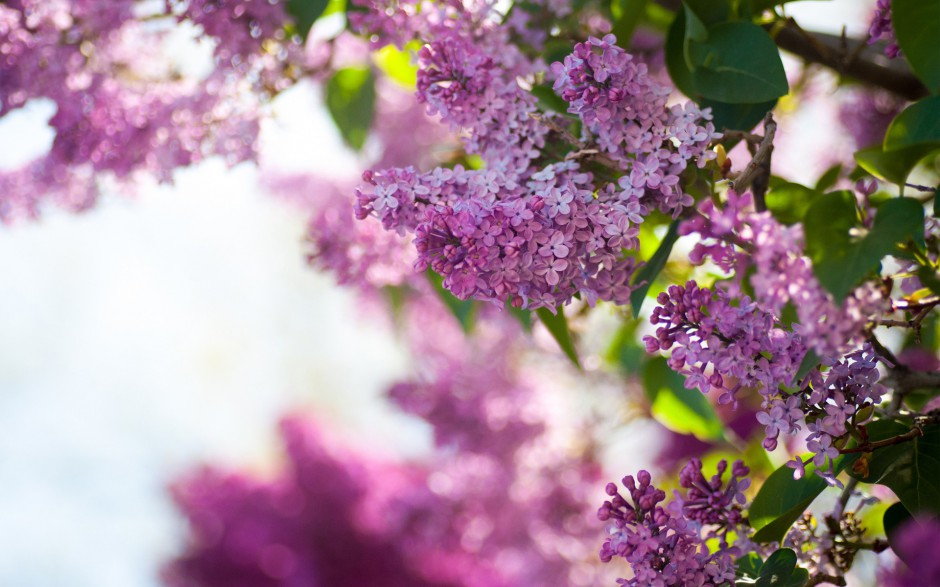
829, 178
782, 499
930, 279
463, 310
737, 116
709, 12
648, 272
626, 15
557, 325
681, 410
679, 71
350, 99
910, 469
828, 244
789, 201
780, 570
398, 64
759, 6
810, 360
916, 125
305, 13
915, 27
894, 166
738, 64
548, 99
838, 262
749, 565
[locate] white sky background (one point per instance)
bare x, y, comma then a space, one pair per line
171, 328
159, 331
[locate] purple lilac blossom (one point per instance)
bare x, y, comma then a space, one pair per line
536, 244
719, 345
624, 110
662, 545
756, 246
881, 29
834, 399
119, 111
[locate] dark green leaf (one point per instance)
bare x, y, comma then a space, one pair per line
463, 310
737, 116
679, 71
648, 272
779, 570
810, 360
350, 98
936, 201
557, 325
305, 13
710, 12
915, 27
894, 166
782, 499
682, 410
548, 99
895, 518
838, 262
759, 6
930, 279
626, 15
749, 565
829, 178
737, 64
828, 244
788, 201
911, 469
916, 125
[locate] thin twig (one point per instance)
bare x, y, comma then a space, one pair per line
871, 446
758, 170
820, 579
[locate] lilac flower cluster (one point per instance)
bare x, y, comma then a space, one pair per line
881, 29
663, 546
624, 110
470, 81
744, 345
758, 247
515, 232
836, 400
713, 503
120, 109
536, 245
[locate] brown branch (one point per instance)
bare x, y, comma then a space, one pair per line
757, 171
865, 64
871, 446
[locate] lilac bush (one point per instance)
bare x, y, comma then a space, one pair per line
531, 170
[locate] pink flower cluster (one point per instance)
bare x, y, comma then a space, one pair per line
834, 399
714, 503
471, 83
757, 247
536, 245
663, 546
119, 109
744, 346
624, 110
